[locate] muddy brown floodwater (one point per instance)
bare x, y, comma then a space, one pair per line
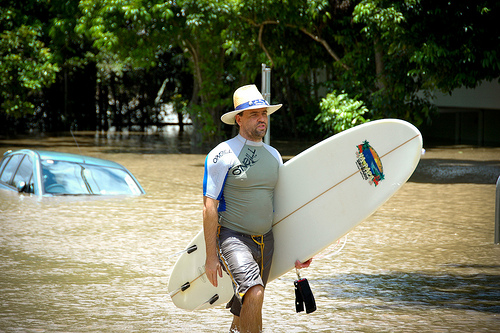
424, 262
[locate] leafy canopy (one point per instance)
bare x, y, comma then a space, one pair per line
26, 63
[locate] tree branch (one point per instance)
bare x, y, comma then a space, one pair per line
196, 63
326, 46
261, 30
304, 30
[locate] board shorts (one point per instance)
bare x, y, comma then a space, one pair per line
247, 259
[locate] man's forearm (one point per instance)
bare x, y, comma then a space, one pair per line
210, 224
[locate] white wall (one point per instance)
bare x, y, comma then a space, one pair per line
484, 96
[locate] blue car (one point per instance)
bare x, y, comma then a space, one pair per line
47, 173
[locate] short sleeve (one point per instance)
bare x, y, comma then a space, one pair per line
217, 164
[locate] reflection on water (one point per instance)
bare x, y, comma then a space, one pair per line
425, 262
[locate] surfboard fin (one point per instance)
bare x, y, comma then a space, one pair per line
191, 249
211, 301
182, 288
185, 286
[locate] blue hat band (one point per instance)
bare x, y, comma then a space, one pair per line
252, 103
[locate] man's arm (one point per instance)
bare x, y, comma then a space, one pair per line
210, 225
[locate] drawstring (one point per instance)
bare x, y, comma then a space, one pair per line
261, 244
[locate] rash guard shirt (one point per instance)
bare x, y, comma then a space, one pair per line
242, 174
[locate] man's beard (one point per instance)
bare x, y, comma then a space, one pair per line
259, 133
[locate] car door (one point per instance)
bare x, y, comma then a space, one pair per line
24, 174
9, 170
18, 168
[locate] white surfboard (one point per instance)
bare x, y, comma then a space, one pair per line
321, 195
188, 285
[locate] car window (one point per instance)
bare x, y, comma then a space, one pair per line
105, 180
10, 168
61, 177
4, 162
24, 173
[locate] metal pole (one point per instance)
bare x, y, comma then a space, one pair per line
497, 213
266, 93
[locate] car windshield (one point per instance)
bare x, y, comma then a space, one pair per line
62, 178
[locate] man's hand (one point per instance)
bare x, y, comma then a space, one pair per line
305, 264
212, 269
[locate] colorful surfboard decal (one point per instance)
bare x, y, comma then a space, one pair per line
369, 164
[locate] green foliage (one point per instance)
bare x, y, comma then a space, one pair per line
26, 67
137, 33
132, 30
453, 44
399, 51
136, 53
339, 112
381, 18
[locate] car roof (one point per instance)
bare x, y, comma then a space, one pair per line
67, 157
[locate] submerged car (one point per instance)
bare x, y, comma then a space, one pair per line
48, 173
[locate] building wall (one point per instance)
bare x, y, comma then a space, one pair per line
466, 116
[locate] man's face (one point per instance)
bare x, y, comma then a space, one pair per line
253, 124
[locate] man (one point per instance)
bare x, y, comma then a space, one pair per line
238, 188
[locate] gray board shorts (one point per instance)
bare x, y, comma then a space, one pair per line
247, 259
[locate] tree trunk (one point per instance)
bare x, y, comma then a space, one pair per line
379, 65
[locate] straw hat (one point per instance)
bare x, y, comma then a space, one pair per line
247, 98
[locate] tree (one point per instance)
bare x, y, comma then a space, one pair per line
127, 56
51, 85
26, 62
286, 36
453, 44
406, 49
139, 32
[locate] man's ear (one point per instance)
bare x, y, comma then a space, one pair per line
237, 119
